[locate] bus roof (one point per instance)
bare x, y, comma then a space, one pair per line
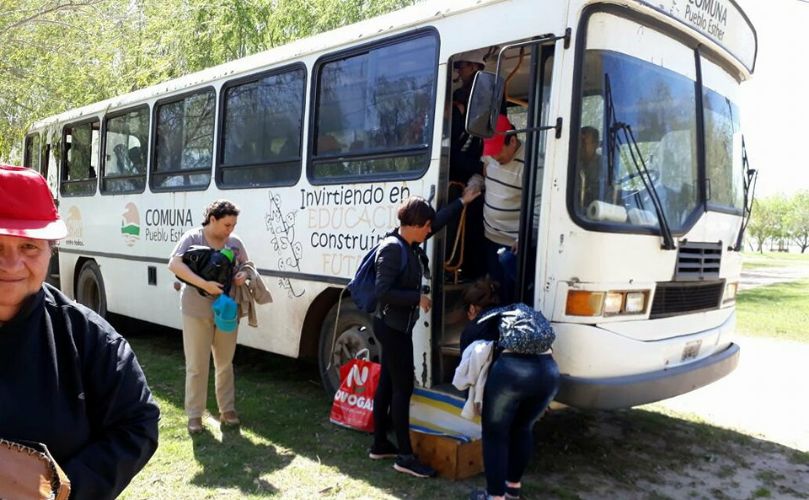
720, 21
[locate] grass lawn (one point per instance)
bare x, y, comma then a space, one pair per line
755, 260
780, 311
287, 448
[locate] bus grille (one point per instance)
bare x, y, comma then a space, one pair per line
672, 298
698, 261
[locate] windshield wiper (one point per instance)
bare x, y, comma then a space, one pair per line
751, 175
618, 130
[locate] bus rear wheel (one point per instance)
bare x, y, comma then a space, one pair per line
354, 333
90, 288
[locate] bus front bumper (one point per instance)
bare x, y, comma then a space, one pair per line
633, 390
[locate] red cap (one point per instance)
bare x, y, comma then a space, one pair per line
26, 206
493, 145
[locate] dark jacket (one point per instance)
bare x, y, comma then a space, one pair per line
398, 293
68, 380
488, 330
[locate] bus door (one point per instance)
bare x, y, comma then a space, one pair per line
537, 119
526, 71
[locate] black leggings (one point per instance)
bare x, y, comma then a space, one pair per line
518, 389
392, 399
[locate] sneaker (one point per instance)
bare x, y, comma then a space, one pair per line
385, 450
409, 464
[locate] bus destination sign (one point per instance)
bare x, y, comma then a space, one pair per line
720, 20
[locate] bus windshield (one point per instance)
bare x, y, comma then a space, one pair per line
636, 155
659, 106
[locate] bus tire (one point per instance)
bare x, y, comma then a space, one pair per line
354, 333
90, 288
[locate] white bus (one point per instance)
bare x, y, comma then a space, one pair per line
635, 262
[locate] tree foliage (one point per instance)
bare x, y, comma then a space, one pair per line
797, 220
780, 220
60, 54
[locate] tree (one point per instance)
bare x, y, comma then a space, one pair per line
61, 54
767, 221
797, 219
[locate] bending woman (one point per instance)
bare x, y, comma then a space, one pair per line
518, 389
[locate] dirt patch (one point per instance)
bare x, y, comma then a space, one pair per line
764, 397
642, 454
745, 436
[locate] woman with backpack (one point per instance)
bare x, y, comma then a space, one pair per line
523, 379
201, 335
399, 295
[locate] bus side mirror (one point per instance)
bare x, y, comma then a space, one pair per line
484, 104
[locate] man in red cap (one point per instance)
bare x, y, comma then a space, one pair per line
503, 169
67, 378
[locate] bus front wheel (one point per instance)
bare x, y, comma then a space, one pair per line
354, 333
90, 288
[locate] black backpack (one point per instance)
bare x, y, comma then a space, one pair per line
363, 285
210, 265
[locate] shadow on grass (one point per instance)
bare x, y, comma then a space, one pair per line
235, 462
579, 454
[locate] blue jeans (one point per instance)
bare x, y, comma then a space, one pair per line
500, 270
518, 389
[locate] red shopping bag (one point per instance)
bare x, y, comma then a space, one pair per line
354, 401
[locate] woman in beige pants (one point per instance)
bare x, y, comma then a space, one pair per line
201, 337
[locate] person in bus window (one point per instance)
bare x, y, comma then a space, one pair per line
136, 160
201, 336
400, 294
588, 167
327, 143
503, 168
467, 66
67, 378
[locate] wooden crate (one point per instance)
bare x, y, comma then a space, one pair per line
451, 458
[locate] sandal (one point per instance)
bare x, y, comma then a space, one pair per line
512, 492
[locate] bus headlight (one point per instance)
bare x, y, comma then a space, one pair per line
730, 292
609, 303
635, 302
613, 302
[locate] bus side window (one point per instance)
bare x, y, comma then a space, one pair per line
260, 142
32, 151
184, 134
80, 158
124, 160
374, 111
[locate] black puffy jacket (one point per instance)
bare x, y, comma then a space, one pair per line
398, 292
